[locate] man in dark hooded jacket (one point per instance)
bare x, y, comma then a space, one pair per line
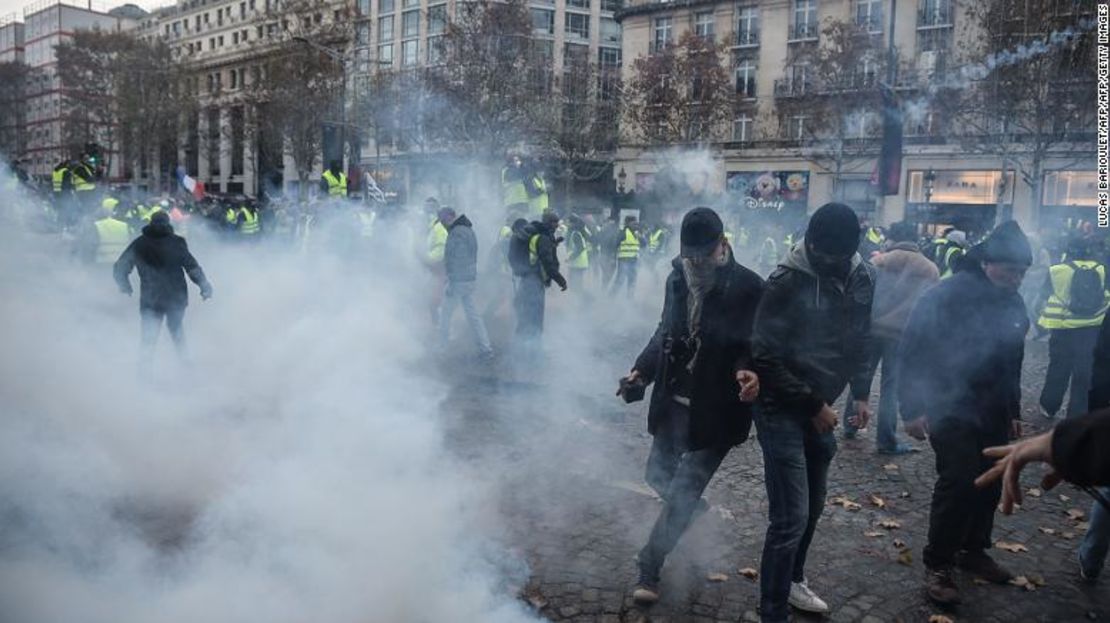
965, 391
811, 338
700, 362
541, 270
163, 260
460, 263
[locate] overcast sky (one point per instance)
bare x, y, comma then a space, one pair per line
17, 6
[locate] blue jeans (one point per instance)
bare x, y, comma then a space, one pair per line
796, 462
462, 293
886, 427
1092, 551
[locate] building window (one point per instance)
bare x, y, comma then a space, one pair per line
747, 26
581, 4
611, 5
934, 13
234, 38
385, 29
410, 4
410, 52
805, 20
362, 34
703, 25
543, 21
437, 20
662, 33
220, 40
385, 54
610, 31
745, 78
364, 7
742, 128
436, 46
869, 15
609, 58
578, 25
796, 127
385, 6
575, 55
410, 24
233, 79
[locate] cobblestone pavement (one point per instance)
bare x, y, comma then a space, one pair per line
570, 461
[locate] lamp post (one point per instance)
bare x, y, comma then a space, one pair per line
344, 62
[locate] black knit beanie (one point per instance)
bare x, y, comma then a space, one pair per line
834, 230
1007, 243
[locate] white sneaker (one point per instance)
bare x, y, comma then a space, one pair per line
802, 598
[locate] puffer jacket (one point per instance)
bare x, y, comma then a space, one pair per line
163, 260
903, 273
812, 336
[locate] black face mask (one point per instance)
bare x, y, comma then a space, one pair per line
828, 265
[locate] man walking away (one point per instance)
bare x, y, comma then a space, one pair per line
811, 338
903, 273
578, 252
964, 391
628, 256
1076, 304
162, 259
700, 362
460, 262
536, 275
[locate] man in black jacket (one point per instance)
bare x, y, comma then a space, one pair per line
542, 269
460, 262
163, 259
698, 355
965, 392
811, 339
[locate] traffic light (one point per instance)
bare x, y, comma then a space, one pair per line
92, 153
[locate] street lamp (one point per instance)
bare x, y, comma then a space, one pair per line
344, 62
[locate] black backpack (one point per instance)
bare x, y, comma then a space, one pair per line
1086, 291
518, 253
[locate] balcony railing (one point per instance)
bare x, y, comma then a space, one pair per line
747, 38
792, 87
803, 32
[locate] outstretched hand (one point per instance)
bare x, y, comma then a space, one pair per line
1011, 460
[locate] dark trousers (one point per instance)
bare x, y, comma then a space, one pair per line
796, 462
1071, 355
151, 326
962, 516
679, 476
626, 273
529, 304
886, 425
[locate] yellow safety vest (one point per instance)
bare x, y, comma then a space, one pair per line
337, 187
366, 220
83, 182
948, 260
58, 178
437, 241
874, 235
1056, 313
538, 204
629, 248
112, 236
655, 243
249, 226
512, 191
109, 204
582, 260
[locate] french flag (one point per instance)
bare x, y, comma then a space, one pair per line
190, 184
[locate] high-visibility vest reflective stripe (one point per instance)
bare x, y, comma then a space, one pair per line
366, 220
505, 233
113, 236
939, 244
109, 204
655, 243
948, 261
629, 248
582, 260
534, 255
231, 216
874, 235
249, 225
83, 181
337, 186
58, 178
1057, 313
538, 204
437, 241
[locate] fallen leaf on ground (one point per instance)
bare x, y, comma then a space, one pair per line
1075, 514
1064, 498
873, 533
1048, 531
845, 503
890, 524
1082, 526
537, 601
905, 557
1023, 582
878, 501
890, 467
899, 543
1010, 547
1067, 535
1037, 580
940, 618
1033, 493
749, 573
904, 494
717, 577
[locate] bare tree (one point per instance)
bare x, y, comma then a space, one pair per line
829, 100
1024, 88
91, 68
680, 93
299, 86
14, 77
